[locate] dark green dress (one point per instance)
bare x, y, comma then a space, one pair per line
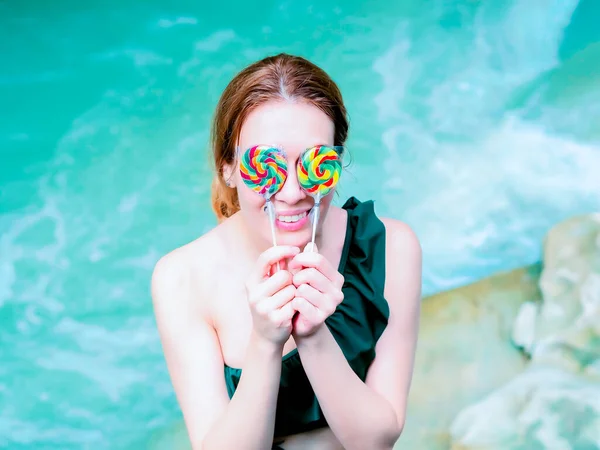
356, 325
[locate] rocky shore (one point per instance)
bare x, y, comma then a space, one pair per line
513, 361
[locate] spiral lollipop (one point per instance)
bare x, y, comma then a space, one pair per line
319, 170
264, 170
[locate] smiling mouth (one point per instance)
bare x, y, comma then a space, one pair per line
294, 218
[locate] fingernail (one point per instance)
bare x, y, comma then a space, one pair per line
310, 247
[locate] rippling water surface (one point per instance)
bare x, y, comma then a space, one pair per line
480, 117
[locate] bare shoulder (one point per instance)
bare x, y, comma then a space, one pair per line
403, 263
402, 243
180, 277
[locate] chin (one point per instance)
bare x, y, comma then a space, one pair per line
295, 238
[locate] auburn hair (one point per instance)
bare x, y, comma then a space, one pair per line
279, 77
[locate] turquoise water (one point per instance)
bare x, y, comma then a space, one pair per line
481, 118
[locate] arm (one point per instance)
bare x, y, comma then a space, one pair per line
195, 365
371, 414
359, 416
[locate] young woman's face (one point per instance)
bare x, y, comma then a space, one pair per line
293, 127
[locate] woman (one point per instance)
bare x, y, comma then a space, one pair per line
325, 335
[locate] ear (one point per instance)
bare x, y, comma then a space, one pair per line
228, 174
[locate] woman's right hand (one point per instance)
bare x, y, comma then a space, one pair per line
270, 296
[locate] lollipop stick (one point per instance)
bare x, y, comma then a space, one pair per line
316, 210
271, 212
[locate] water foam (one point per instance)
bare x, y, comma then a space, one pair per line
480, 185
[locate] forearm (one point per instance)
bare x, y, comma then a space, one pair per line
249, 420
358, 416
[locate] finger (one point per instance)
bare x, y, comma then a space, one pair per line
307, 248
319, 262
279, 299
307, 309
273, 284
282, 266
278, 266
269, 258
310, 294
315, 278
283, 315
326, 304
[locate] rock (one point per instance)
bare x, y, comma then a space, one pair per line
567, 327
542, 408
464, 352
524, 330
555, 402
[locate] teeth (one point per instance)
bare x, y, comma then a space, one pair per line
292, 219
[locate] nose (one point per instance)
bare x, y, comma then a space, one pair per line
291, 192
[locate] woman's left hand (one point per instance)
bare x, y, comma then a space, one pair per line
318, 291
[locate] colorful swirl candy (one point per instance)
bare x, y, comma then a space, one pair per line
319, 170
263, 169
